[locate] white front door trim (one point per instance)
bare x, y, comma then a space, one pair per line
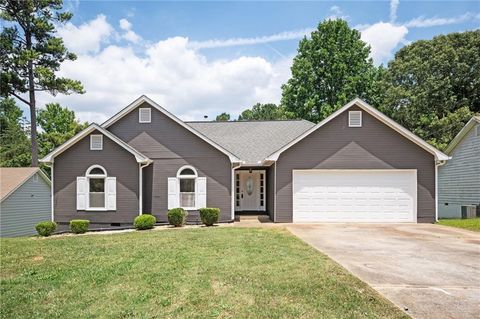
413, 192
254, 201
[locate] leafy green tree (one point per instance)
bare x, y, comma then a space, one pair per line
58, 125
224, 117
330, 69
31, 54
14, 142
432, 87
267, 111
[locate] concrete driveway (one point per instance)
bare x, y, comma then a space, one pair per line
430, 271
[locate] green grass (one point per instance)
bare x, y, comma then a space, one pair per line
180, 273
470, 223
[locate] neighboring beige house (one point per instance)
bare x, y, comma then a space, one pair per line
25, 197
459, 178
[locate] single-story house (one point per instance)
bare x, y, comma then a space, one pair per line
459, 178
25, 200
357, 165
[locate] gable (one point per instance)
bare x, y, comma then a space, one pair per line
163, 137
359, 105
130, 116
374, 144
473, 125
49, 158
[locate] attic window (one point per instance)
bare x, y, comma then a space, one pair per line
145, 115
96, 142
355, 118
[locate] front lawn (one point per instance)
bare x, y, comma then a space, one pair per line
188, 273
470, 223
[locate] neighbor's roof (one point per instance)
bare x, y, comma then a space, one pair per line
252, 141
12, 178
459, 137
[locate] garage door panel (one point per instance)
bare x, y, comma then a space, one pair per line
354, 195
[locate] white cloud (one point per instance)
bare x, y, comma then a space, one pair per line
129, 34
175, 75
88, 37
282, 36
336, 13
124, 24
383, 38
422, 22
393, 10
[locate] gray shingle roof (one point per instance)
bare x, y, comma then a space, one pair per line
252, 141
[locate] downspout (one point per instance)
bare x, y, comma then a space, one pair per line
140, 185
438, 163
51, 190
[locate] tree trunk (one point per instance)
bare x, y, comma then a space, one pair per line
33, 111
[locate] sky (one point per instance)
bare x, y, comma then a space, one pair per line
205, 58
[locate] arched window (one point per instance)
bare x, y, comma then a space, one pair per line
96, 176
187, 177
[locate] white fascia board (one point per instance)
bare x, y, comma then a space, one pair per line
378, 115
49, 158
233, 158
458, 138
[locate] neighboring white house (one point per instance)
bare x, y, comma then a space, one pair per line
25, 200
459, 178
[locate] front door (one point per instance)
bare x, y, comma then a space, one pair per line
251, 191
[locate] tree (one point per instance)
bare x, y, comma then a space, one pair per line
432, 87
14, 143
264, 112
224, 117
330, 69
31, 54
58, 125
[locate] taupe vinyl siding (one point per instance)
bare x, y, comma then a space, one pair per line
171, 146
459, 178
372, 146
25, 207
75, 161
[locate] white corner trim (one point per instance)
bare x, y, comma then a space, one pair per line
49, 158
144, 99
378, 115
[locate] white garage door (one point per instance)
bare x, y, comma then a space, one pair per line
354, 195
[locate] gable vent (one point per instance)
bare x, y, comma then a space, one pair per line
96, 142
145, 115
355, 118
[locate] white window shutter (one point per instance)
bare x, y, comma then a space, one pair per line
111, 189
173, 192
82, 193
201, 191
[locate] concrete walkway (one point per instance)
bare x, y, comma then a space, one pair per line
430, 271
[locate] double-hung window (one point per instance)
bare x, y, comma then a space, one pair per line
187, 186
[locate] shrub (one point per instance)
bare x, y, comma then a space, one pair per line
209, 215
79, 226
46, 228
145, 221
177, 217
